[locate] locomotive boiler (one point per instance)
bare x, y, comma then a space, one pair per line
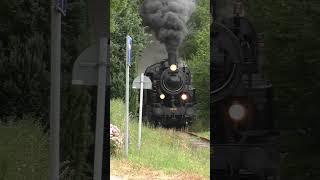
171, 101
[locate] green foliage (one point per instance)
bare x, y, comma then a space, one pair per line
24, 77
291, 30
197, 52
24, 149
24, 73
24, 56
125, 20
291, 34
198, 23
117, 113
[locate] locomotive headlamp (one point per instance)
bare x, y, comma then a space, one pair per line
184, 97
173, 67
162, 96
237, 111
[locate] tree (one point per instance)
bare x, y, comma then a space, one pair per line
24, 56
25, 78
125, 20
196, 51
291, 35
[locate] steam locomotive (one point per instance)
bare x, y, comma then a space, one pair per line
245, 139
171, 101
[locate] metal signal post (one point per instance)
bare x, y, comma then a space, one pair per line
140, 110
54, 140
128, 63
90, 69
102, 73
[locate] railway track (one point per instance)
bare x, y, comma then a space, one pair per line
198, 141
195, 139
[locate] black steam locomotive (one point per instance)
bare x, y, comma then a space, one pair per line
245, 141
171, 101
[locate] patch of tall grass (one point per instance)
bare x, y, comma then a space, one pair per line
161, 149
23, 150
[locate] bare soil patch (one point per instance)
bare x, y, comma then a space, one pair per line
130, 171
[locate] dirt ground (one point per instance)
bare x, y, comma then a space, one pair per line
128, 171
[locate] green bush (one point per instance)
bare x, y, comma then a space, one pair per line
116, 140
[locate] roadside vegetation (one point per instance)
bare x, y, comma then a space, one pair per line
164, 150
23, 150
125, 20
25, 87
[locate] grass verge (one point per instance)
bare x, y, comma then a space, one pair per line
161, 149
23, 151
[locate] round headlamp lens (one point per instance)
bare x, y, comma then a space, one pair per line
184, 97
173, 67
162, 96
237, 111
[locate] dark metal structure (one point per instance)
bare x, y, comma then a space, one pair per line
245, 142
171, 101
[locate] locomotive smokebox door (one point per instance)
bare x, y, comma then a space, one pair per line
171, 101
225, 64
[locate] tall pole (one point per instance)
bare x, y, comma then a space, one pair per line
140, 110
102, 73
99, 22
127, 110
127, 103
54, 147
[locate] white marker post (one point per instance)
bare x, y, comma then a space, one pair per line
128, 63
140, 109
141, 82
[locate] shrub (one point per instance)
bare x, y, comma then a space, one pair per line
116, 140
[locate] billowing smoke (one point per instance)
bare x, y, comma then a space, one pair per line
168, 19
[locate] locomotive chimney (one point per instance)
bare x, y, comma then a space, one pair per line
172, 57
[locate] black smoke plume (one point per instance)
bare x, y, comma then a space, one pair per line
168, 19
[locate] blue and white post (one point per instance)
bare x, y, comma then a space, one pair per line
128, 64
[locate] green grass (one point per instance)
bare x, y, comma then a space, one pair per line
161, 149
23, 151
